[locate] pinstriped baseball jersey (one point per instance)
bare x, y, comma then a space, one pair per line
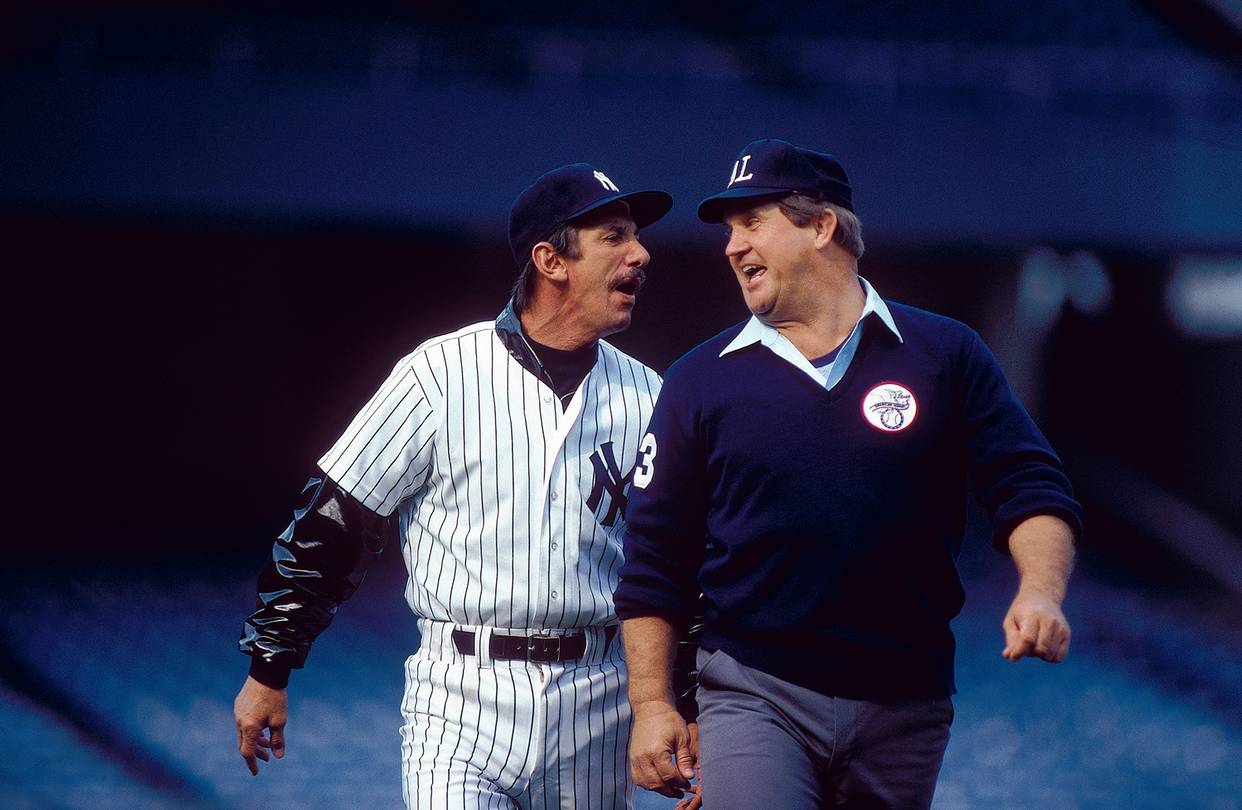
509, 503
510, 508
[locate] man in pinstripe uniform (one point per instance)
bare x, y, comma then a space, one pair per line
503, 453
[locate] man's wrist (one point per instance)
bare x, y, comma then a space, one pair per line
653, 706
1040, 591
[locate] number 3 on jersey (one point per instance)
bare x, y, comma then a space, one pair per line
644, 468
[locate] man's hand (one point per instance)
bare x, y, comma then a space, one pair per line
659, 737
1043, 550
1036, 626
257, 709
693, 800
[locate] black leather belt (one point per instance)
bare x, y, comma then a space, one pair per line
536, 649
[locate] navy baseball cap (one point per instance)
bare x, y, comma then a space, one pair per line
563, 195
770, 168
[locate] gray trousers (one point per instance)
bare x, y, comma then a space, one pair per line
766, 743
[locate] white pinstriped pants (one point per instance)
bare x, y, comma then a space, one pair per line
480, 733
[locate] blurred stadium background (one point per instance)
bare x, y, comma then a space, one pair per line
221, 223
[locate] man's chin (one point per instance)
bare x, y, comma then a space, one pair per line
760, 309
619, 323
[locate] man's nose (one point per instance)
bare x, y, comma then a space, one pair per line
737, 244
639, 256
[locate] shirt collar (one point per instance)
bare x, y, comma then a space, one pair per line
756, 331
509, 330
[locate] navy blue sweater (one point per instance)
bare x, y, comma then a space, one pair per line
825, 542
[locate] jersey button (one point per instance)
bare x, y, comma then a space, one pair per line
547, 397
554, 594
555, 495
555, 546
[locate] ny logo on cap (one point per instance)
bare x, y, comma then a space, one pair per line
739, 171
605, 182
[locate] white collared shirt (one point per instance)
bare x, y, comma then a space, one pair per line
756, 331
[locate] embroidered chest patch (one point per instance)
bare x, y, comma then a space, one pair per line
890, 407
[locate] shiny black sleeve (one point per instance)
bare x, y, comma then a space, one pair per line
317, 563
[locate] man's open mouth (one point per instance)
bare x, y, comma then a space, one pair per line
629, 286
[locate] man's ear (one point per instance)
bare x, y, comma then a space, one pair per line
825, 228
548, 263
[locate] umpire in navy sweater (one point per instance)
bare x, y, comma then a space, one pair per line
807, 470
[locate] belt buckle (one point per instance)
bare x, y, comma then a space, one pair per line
543, 648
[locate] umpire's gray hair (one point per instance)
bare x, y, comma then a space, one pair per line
564, 242
802, 210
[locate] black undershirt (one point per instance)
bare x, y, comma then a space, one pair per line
567, 368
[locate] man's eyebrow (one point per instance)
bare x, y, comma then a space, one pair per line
619, 225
